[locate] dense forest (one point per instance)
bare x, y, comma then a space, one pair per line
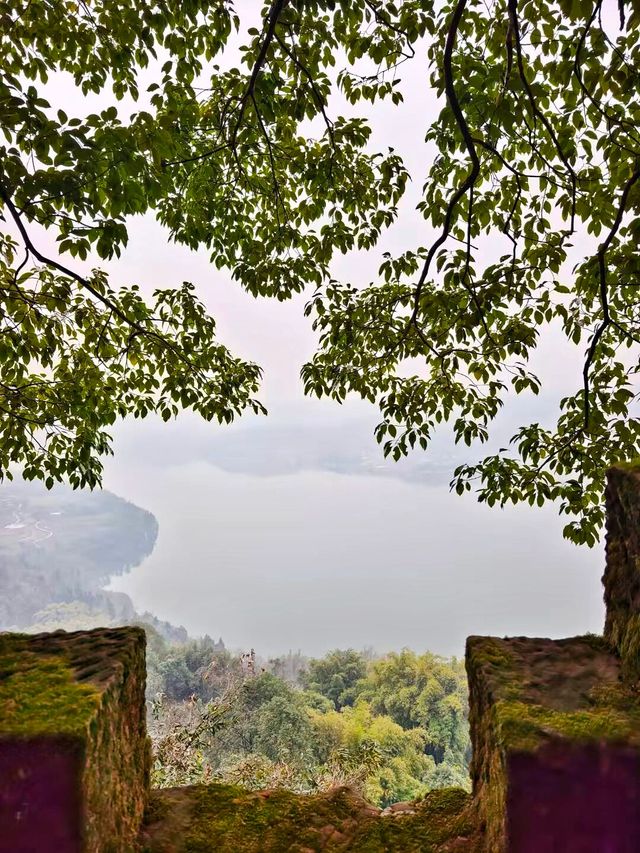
392, 727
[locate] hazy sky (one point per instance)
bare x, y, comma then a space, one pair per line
274, 334
457, 566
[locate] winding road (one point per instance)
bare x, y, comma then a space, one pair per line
31, 530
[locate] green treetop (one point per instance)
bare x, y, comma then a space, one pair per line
537, 151
336, 676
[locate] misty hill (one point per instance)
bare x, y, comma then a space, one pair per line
333, 442
62, 546
346, 449
264, 448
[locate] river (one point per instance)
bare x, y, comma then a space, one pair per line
316, 560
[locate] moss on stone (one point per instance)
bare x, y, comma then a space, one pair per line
526, 694
597, 642
79, 694
493, 651
625, 634
622, 574
507, 678
629, 465
525, 727
39, 695
226, 819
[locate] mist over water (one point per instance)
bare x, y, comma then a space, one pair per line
319, 560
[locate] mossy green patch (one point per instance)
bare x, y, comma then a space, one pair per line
227, 819
493, 651
596, 642
524, 726
39, 695
493, 654
84, 690
629, 465
626, 636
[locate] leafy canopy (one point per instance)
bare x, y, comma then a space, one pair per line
336, 676
538, 158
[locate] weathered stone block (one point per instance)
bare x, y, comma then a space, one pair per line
556, 746
73, 749
622, 574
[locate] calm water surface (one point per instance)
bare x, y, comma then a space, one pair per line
315, 561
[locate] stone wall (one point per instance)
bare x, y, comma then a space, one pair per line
74, 758
555, 728
556, 746
622, 573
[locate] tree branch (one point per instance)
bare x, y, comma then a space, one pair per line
604, 295
272, 20
515, 24
86, 284
471, 178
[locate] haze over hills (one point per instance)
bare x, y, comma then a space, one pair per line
59, 548
277, 450
312, 436
267, 448
290, 532
270, 448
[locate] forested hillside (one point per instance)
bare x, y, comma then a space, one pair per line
393, 727
58, 549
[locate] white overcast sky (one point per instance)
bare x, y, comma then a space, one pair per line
277, 335
488, 573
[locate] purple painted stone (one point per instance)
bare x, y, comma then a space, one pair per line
74, 757
569, 798
40, 804
556, 746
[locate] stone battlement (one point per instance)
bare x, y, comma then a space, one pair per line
555, 728
74, 756
556, 745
